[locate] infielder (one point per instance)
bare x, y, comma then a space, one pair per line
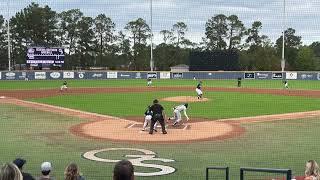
64, 86
149, 82
286, 84
147, 119
177, 113
199, 91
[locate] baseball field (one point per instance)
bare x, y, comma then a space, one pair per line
97, 122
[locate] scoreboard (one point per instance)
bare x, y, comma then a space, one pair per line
43, 55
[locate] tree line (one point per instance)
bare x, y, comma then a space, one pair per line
96, 42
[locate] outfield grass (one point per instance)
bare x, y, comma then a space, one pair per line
49, 84
220, 104
40, 136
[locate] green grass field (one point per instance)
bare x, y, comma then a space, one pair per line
43, 84
39, 136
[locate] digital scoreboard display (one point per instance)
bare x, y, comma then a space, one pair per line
42, 55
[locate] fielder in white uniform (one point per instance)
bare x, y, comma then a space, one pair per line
177, 113
147, 119
149, 82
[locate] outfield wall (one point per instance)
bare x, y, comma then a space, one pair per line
58, 75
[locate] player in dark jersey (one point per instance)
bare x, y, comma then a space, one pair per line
158, 115
147, 119
198, 90
64, 86
239, 81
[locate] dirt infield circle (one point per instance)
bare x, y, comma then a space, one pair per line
184, 99
103, 127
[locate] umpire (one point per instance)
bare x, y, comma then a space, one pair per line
158, 115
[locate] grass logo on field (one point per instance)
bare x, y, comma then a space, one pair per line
137, 158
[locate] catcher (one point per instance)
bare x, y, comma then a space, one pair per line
177, 113
147, 119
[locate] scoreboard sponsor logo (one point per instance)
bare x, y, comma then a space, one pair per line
112, 75
40, 75
68, 75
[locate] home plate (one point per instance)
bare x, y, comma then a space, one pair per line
2, 97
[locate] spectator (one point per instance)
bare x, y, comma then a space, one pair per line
312, 171
123, 170
72, 172
46, 168
10, 171
19, 163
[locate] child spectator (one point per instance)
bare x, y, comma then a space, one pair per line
10, 171
72, 172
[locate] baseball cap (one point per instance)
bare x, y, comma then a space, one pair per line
19, 162
46, 166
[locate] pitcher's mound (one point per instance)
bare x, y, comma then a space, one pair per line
184, 99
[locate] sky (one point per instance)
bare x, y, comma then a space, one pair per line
302, 15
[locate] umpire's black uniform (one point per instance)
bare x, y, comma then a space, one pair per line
158, 115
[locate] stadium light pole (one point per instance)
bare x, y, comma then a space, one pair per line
8, 35
283, 62
151, 40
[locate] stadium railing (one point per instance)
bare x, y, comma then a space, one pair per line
288, 172
226, 169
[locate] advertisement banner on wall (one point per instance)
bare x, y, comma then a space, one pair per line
112, 75
263, 75
97, 75
152, 75
164, 75
317, 77
55, 75
40, 75
10, 75
81, 75
22, 76
249, 75
0, 75
138, 75
277, 75
177, 75
68, 75
291, 75
307, 76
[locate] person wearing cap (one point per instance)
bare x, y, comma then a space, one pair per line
46, 168
19, 162
157, 115
123, 170
177, 113
147, 119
